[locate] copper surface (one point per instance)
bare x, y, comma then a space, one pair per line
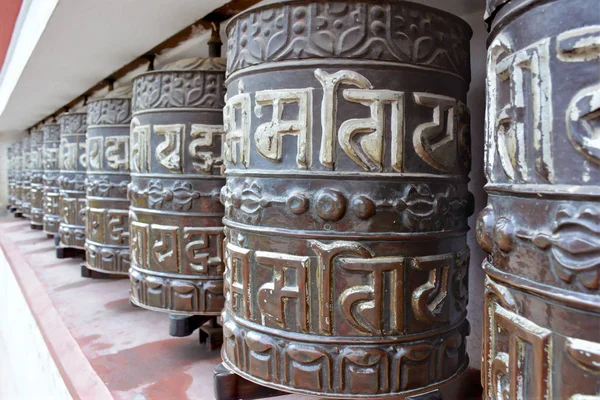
107, 212
347, 153
541, 227
176, 233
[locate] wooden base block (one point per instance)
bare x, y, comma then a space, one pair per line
68, 252
435, 395
18, 214
229, 386
50, 236
37, 227
90, 273
210, 332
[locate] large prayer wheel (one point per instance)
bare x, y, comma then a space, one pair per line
36, 176
71, 181
541, 228
176, 231
18, 175
107, 219
50, 178
26, 176
347, 155
11, 158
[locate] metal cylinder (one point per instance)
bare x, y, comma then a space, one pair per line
71, 181
107, 215
541, 228
175, 216
10, 158
36, 176
18, 175
26, 176
50, 178
347, 154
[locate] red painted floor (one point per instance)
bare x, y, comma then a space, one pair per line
129, 348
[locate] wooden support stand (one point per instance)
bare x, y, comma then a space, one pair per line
18, 214
50, 236
229, 386
67, 252
37, 227
210, 332
90, 273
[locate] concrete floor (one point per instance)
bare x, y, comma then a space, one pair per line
128, 348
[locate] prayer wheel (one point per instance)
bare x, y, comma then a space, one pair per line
107, 219
11, 158
71, 181
347, 154
541, 228
26, 176
36, 174
176, 231
18, 175
50, 178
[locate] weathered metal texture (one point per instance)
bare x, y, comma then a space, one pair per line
10, 158
176, 230
50, 178
26, 176
541, 227
36, 175
347, 152
18, 173
72, 161
107, 214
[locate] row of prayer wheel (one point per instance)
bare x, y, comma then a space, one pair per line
312, 191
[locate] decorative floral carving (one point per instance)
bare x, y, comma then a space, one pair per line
72, 123
248, 200
574, 244
164, 89
180, 197
386, 31
76, 182
422, 209
109, 112
51, 133
419, 207
101, 186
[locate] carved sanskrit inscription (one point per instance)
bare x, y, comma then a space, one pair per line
169, 153
371, 302
520, 96
174, 249
437, 140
